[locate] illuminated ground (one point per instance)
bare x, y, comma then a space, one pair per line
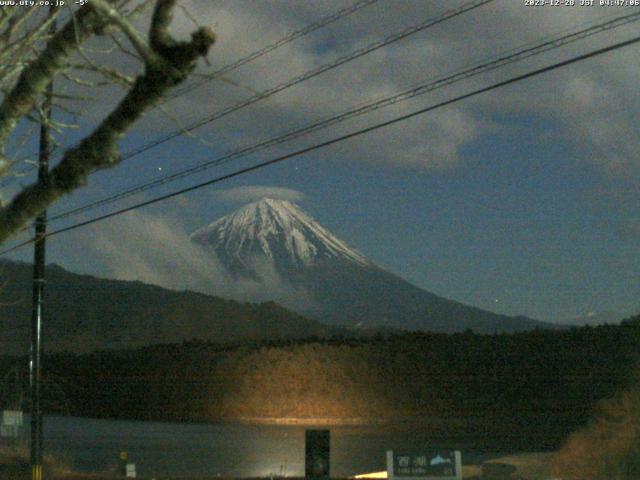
532, 466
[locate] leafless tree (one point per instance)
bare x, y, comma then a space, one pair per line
31, 57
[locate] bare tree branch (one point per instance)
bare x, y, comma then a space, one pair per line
34, 78
105, 9
124, 49
170, 64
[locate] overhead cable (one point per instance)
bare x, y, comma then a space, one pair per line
339, 139
404, 33
277, 44
420, 89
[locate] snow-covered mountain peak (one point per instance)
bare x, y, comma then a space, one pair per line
278, 230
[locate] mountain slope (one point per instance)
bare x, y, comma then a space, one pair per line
276, 230
346, 288
83, 313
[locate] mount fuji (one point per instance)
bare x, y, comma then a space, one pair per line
343, 286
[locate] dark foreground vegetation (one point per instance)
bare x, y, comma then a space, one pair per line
516, 391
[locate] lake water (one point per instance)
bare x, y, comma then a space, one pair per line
166, 449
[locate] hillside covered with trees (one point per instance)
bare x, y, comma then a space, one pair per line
544, 383
86, 313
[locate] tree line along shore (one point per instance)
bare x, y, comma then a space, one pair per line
532, 388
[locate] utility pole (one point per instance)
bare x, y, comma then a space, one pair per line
35, 370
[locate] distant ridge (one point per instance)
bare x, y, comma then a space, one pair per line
85, 313
347, 288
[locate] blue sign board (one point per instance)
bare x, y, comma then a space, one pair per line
424, 464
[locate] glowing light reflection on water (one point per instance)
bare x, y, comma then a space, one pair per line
181, 449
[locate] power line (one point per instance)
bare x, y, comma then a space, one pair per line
277, 44
324, 21
449, 14
465, 73
341, 138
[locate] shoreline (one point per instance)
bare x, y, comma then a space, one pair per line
321, 421
529, 465
465, 434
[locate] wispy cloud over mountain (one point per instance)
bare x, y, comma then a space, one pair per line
251, 193
157, 250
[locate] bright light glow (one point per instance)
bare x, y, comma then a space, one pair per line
382, 474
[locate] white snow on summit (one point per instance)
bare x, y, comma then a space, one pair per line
277, 229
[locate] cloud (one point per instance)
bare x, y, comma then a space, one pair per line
583, 99
157, 250
246, 27
251, 193
592, 105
